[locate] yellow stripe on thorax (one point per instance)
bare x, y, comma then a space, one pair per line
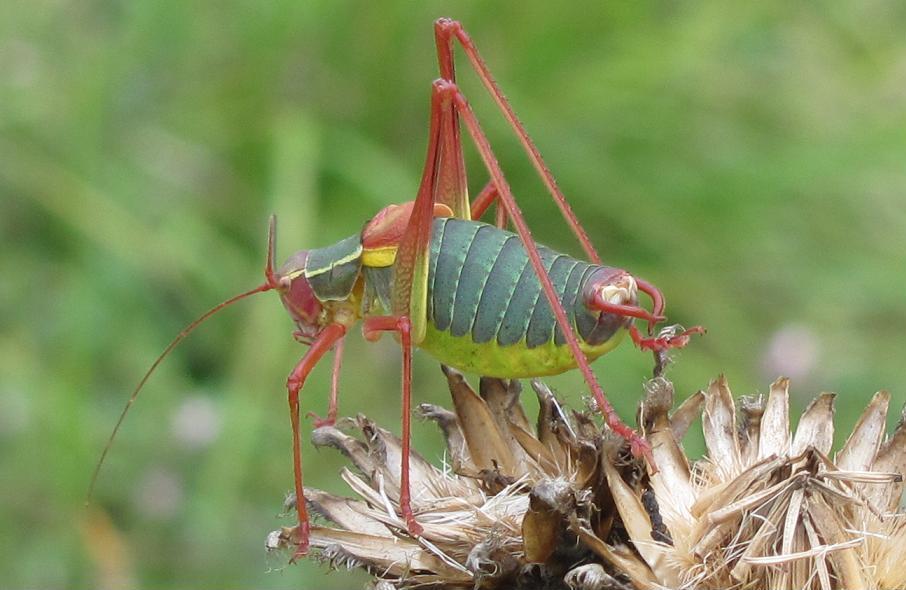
312, 272
379, 257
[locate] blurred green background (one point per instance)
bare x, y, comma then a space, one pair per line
748, 160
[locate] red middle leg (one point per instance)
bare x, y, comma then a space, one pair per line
372, 330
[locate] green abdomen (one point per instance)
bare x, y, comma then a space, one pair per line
488, 314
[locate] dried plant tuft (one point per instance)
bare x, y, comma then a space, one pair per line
562, 504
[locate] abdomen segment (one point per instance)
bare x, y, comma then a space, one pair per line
488, 314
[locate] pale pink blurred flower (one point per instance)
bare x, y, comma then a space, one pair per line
159, 494
196, 423
792, 352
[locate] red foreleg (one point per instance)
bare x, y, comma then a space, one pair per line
372, 329
639, 445
324, 342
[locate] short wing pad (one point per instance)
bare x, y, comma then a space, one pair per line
382, 235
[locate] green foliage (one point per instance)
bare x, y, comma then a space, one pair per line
748, 160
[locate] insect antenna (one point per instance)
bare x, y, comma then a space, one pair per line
271, 282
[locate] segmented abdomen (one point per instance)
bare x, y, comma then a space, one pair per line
481, 283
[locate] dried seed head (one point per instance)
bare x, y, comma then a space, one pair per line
563, 505
592, 577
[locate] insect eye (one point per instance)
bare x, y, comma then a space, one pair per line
301, 300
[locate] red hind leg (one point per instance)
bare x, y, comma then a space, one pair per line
294, 383
445, 30
372, 329
446, 88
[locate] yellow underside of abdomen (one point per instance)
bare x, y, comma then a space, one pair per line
508, 362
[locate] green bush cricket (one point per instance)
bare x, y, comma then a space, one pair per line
473, 295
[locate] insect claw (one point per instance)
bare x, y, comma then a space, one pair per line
301, 551
301, 535
320, 422
641, 448
667, 340
412, 527
638, 446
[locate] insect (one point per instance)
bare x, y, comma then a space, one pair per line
473, 295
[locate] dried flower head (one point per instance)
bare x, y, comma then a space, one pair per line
563, 505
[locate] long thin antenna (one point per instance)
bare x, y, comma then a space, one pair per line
179, 338
269, 284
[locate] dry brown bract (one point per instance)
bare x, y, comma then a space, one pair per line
561, 505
